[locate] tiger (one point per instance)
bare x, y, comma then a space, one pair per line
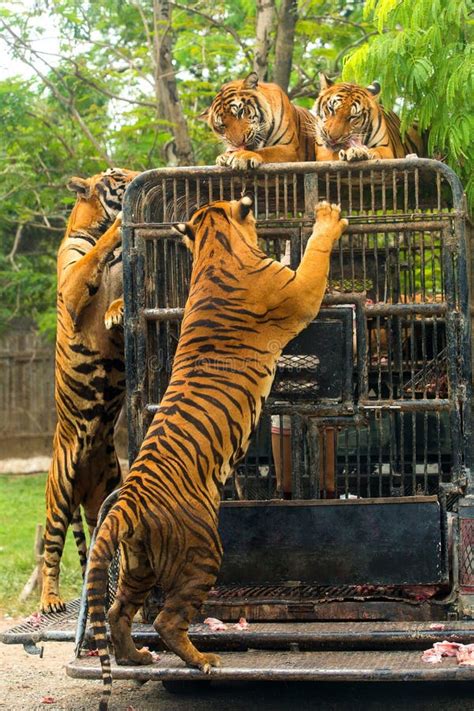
259, 124
242, 309
89, 370
352, 125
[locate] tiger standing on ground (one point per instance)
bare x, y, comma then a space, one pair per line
89, 370
241, 304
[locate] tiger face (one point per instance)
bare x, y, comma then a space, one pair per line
239, 115
99, 198
344, 114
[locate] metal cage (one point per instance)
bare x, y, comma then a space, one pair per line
369, 415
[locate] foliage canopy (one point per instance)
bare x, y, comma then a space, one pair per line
423, 56
91, 97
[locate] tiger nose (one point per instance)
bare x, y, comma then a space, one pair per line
236, 136
338, 133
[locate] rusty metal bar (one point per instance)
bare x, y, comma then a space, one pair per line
407, 405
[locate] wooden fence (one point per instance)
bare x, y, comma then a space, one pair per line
27, 413
27, 409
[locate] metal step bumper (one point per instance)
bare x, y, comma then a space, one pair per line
258, 665
370, 635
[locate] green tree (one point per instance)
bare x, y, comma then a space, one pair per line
423, 56
97, 98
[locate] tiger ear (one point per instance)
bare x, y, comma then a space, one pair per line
185, 230
251, 81
245, 206
374, 88
80, 186
324, 82
187, 233
204, 115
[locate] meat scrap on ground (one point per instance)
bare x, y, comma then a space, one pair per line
215, 624
242, 624
464, 653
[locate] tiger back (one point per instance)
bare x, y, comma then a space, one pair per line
258, 124
89, 369
243, 308
352, 125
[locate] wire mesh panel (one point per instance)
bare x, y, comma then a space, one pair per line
371, 400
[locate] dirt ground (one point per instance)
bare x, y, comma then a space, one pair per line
27, 681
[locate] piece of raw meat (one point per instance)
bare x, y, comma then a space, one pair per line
431, 657
465, 655
215, 624
242, 624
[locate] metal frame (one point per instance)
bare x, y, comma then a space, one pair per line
404, 209
306, 602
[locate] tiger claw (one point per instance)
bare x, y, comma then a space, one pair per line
53, 603
240, 160
329, 216
114, 314
210, 660
355, 153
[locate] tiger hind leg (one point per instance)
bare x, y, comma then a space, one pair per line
103, 471
60, 508
181, 605
133, 587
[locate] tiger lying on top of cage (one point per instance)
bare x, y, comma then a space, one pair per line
89, 369
259, 124
243, 308
352, 125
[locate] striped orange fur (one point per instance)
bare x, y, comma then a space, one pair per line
89, 370
258, 124
243, 308
352, 125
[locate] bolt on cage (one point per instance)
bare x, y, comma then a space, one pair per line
371, 403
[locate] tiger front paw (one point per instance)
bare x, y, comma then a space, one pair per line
328, 219
356, 153
239, 160
114, 314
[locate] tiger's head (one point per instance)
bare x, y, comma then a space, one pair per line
99, 198
344, 113
240, 114
227, 224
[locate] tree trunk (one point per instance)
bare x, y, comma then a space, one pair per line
284, 44
165, 82
264, 25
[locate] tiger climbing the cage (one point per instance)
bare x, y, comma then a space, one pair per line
241, 303
89, 370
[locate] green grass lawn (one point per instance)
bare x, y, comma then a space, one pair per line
22, 506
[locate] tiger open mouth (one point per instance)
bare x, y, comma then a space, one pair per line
346, 143
250, 146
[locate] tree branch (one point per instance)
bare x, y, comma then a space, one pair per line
284, 43
338, 20
220, 25
165, 82
16, 244
263, 29
343, 51
52, 128
68, 105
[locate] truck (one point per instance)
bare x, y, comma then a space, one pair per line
348, 529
